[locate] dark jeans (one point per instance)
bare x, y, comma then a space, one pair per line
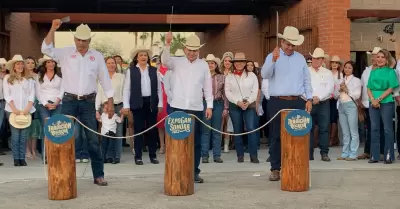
114, 148
247, 116
398, 128
143, 116
81, 149
107, 144
386, 113
334, 114
276, 104
367, 146
198, 126
86, 112
46, 113
320, 114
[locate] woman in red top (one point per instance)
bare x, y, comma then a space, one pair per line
161, 126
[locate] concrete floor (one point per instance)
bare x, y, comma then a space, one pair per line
335, 184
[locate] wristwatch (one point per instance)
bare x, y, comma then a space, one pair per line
379, 99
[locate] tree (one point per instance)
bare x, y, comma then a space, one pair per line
143, 37
136, 39
151, 39
107, 47
177, 42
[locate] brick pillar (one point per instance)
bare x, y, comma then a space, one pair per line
334, 27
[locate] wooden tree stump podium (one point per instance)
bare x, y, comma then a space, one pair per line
61, 169
295, 174
179, 165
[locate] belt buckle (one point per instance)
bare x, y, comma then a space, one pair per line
79, 97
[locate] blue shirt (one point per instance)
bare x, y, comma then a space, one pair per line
288, 76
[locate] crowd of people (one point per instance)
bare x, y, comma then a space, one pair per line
232, 94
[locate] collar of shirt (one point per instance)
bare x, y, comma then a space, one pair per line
283, 53
138, 66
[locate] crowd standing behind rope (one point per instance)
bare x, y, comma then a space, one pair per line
232, 94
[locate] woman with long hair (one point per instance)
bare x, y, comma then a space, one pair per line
226, 68
241, 89
335, 67
349, 92
19, 93
143, 96
381, 83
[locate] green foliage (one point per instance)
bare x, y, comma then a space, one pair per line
176, 43
106, 47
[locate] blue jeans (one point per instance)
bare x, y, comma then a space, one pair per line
248, 116
46, 113
81, 150
18, 141
113, 147
386, 113
206, 134
85, 109
348, 117
2, 112
197, 138
320, 114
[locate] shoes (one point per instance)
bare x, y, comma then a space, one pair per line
116, 161
17, 163
324, 157
218, 160
100, 181
138, 161
275, 176
198, 179
204, 160
254, 160
85, 160
22, 163
240, 159
154, 161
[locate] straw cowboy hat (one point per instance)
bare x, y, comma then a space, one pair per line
227, 54
3, 61
141, 49
179, 53
83, 32
318, 53
336, 58
292, 35
239, 57
193, 43
375, 50
20, 121
16, 58
212, 58
44, 59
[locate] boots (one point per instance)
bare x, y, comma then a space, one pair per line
226, 144
334, 135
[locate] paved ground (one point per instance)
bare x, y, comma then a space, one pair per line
336, 184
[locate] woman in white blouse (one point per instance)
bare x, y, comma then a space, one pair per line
19, 94
241, 89
349, 92
112, 150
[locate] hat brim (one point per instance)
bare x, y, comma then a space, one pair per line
296, 42
339, 61
136, 51
14, 124
193, 47
216, 61
43, 60
82, 37
11, 63
316, 57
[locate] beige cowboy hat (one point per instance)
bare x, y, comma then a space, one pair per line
83, 32
212, 58
336, 58
239, 57
141, 49
375, 50
179, 53
44, 59
292, 35
193, 42
318, 53
16, 58
3, 61
20, 121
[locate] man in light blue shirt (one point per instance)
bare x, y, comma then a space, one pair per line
289, 78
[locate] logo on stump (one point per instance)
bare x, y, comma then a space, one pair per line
59, 129
179, 125
298, 123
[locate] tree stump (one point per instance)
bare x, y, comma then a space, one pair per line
295, 164
179, 166
61, 170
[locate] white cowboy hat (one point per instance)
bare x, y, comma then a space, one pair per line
212, 58
20, 121
336, 58
179, 53
318, 53
193, 43
292, 35
375, 50
3, 61
44, 59
141, 49
239, 57
16, 58
83, 32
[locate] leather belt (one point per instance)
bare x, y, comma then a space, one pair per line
80, 97
288, 97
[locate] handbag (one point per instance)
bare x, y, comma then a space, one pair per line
360, 111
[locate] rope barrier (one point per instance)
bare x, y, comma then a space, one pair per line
162, 120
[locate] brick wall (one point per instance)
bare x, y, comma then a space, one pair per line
375, 4
25, 38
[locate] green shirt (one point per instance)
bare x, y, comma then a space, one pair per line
380, 80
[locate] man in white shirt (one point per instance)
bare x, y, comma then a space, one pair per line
322, 82
82, 68
191, 78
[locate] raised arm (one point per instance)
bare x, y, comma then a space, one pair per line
159, 91
166, 59
48, 43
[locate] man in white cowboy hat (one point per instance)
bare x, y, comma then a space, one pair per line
322, 82
191, 78
82, 68
289, 78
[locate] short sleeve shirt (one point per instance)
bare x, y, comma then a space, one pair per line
380, 80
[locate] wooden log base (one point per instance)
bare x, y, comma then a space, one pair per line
295, 160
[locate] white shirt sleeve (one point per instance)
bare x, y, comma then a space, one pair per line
127, 89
